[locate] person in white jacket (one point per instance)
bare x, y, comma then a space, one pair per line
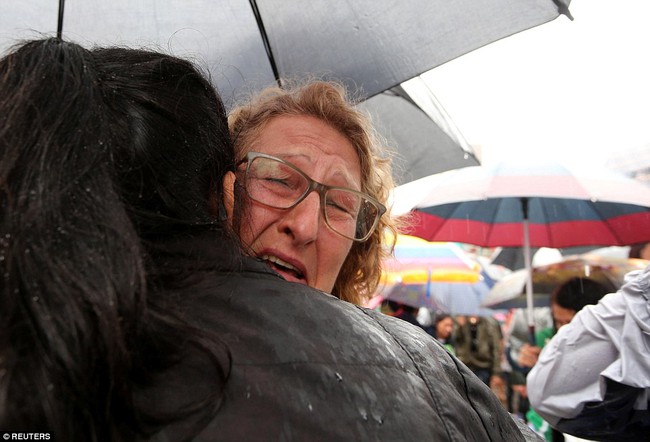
592, 380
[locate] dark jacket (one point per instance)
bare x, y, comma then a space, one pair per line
305, 365
486, 351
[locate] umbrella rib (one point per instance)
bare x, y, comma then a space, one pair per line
59, 24
265, 40
607, 226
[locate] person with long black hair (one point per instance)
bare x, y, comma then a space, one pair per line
103, 153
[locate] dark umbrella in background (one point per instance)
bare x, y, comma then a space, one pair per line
528, 203
370, 45
421, 131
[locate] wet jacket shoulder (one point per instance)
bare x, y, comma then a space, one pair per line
305, 365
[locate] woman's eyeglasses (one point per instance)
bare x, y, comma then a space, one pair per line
277, 183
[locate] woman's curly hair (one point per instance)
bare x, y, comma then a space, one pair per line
329, 102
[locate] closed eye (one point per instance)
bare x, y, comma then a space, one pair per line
338, 207
274, 180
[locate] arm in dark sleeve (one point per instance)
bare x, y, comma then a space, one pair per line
612, 419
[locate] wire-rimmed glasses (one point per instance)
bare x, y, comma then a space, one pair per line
276, 183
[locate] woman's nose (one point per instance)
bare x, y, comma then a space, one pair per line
303, 221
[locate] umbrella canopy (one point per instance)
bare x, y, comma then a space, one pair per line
566, 206
509, 291
413, 253
435, 275
369, 45
418, 131
456, 298
524, 203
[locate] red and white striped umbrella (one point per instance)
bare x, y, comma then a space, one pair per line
526, 203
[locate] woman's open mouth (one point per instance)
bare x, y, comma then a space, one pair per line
287, 270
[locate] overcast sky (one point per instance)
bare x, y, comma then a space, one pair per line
576, 89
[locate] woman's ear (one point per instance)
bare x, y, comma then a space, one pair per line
228, 202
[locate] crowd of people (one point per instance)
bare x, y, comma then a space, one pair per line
170, 272
565, 388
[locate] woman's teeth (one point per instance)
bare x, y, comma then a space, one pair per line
283, 264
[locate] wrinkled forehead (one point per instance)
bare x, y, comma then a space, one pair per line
329, 170
311, 144
251, 132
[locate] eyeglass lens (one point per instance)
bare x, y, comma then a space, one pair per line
278, 184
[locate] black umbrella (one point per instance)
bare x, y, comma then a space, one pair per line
425, 137
369, 45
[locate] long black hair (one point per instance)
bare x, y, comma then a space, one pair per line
103, 153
